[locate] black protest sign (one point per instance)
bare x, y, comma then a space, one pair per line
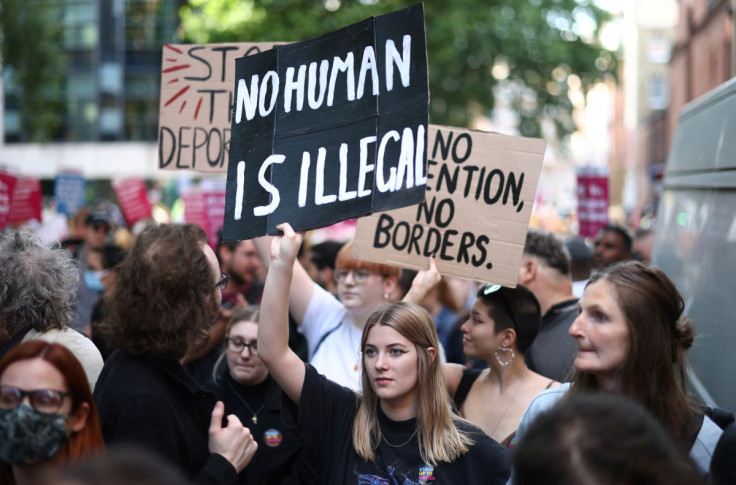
329, 129
196, 104
479, 199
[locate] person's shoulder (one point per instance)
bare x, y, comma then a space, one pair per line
709, 433
484, 454
548, 398
483, 444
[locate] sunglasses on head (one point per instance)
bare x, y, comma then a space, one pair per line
488, 289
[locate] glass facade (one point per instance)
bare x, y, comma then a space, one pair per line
111, 87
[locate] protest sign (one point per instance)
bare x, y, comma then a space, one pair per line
69, 193
329, 129
205, 207
479, 199
7, 187
133, 198
26, 202
592, 201
195, 105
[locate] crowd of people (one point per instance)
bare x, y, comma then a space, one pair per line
160, 359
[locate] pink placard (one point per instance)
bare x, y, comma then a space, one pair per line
7, 186
26, 202
592, 204
214, 203
133, 198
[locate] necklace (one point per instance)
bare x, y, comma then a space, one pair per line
383, 436
254, 416
511, 401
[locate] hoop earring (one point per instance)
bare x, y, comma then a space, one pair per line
504, 349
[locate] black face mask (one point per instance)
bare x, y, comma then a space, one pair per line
29, 436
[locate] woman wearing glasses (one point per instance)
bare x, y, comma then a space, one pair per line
333, 327
400, 430
502, 325
47, 415
241, 381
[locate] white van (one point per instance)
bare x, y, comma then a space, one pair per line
695, 241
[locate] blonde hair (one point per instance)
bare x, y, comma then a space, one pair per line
251, 313
439, 439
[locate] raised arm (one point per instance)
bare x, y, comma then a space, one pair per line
423, 283
301, 287
273, 327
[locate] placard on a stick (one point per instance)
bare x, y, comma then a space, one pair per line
476, 212
195, 105
329, 129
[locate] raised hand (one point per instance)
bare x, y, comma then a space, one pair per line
285, 247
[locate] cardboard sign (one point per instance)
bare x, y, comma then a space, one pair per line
26, 202
7, 187
195, 105
69, 193
329, 129
592, 203
133, 198
476, 212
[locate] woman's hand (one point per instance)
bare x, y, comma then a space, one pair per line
423, 283
285, 247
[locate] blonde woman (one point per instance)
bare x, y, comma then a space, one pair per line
401, 430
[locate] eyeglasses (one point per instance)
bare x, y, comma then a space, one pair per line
224, 280
237, 345
489, 289
42, 400
359, 276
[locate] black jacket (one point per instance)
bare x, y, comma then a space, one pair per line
155, 404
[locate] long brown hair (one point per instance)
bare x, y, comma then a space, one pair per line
89, 440
439, 438
655, 370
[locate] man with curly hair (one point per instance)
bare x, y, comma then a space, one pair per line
37, 292
167, 296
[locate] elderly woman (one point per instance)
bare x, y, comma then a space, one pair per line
37, 290
632, 338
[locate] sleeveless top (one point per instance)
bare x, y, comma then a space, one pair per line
466, 382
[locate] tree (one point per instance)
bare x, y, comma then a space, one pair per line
531, 48
33, 64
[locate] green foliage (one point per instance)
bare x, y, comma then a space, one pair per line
535, 45
31, 52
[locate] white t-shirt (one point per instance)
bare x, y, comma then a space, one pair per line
332, 338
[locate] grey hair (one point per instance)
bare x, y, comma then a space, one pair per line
38, 285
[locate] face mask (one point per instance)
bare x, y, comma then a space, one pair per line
29, 436
93, 282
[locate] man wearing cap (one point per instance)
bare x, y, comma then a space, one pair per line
96, 229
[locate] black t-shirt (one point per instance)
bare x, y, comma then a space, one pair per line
281, 457
324, 420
